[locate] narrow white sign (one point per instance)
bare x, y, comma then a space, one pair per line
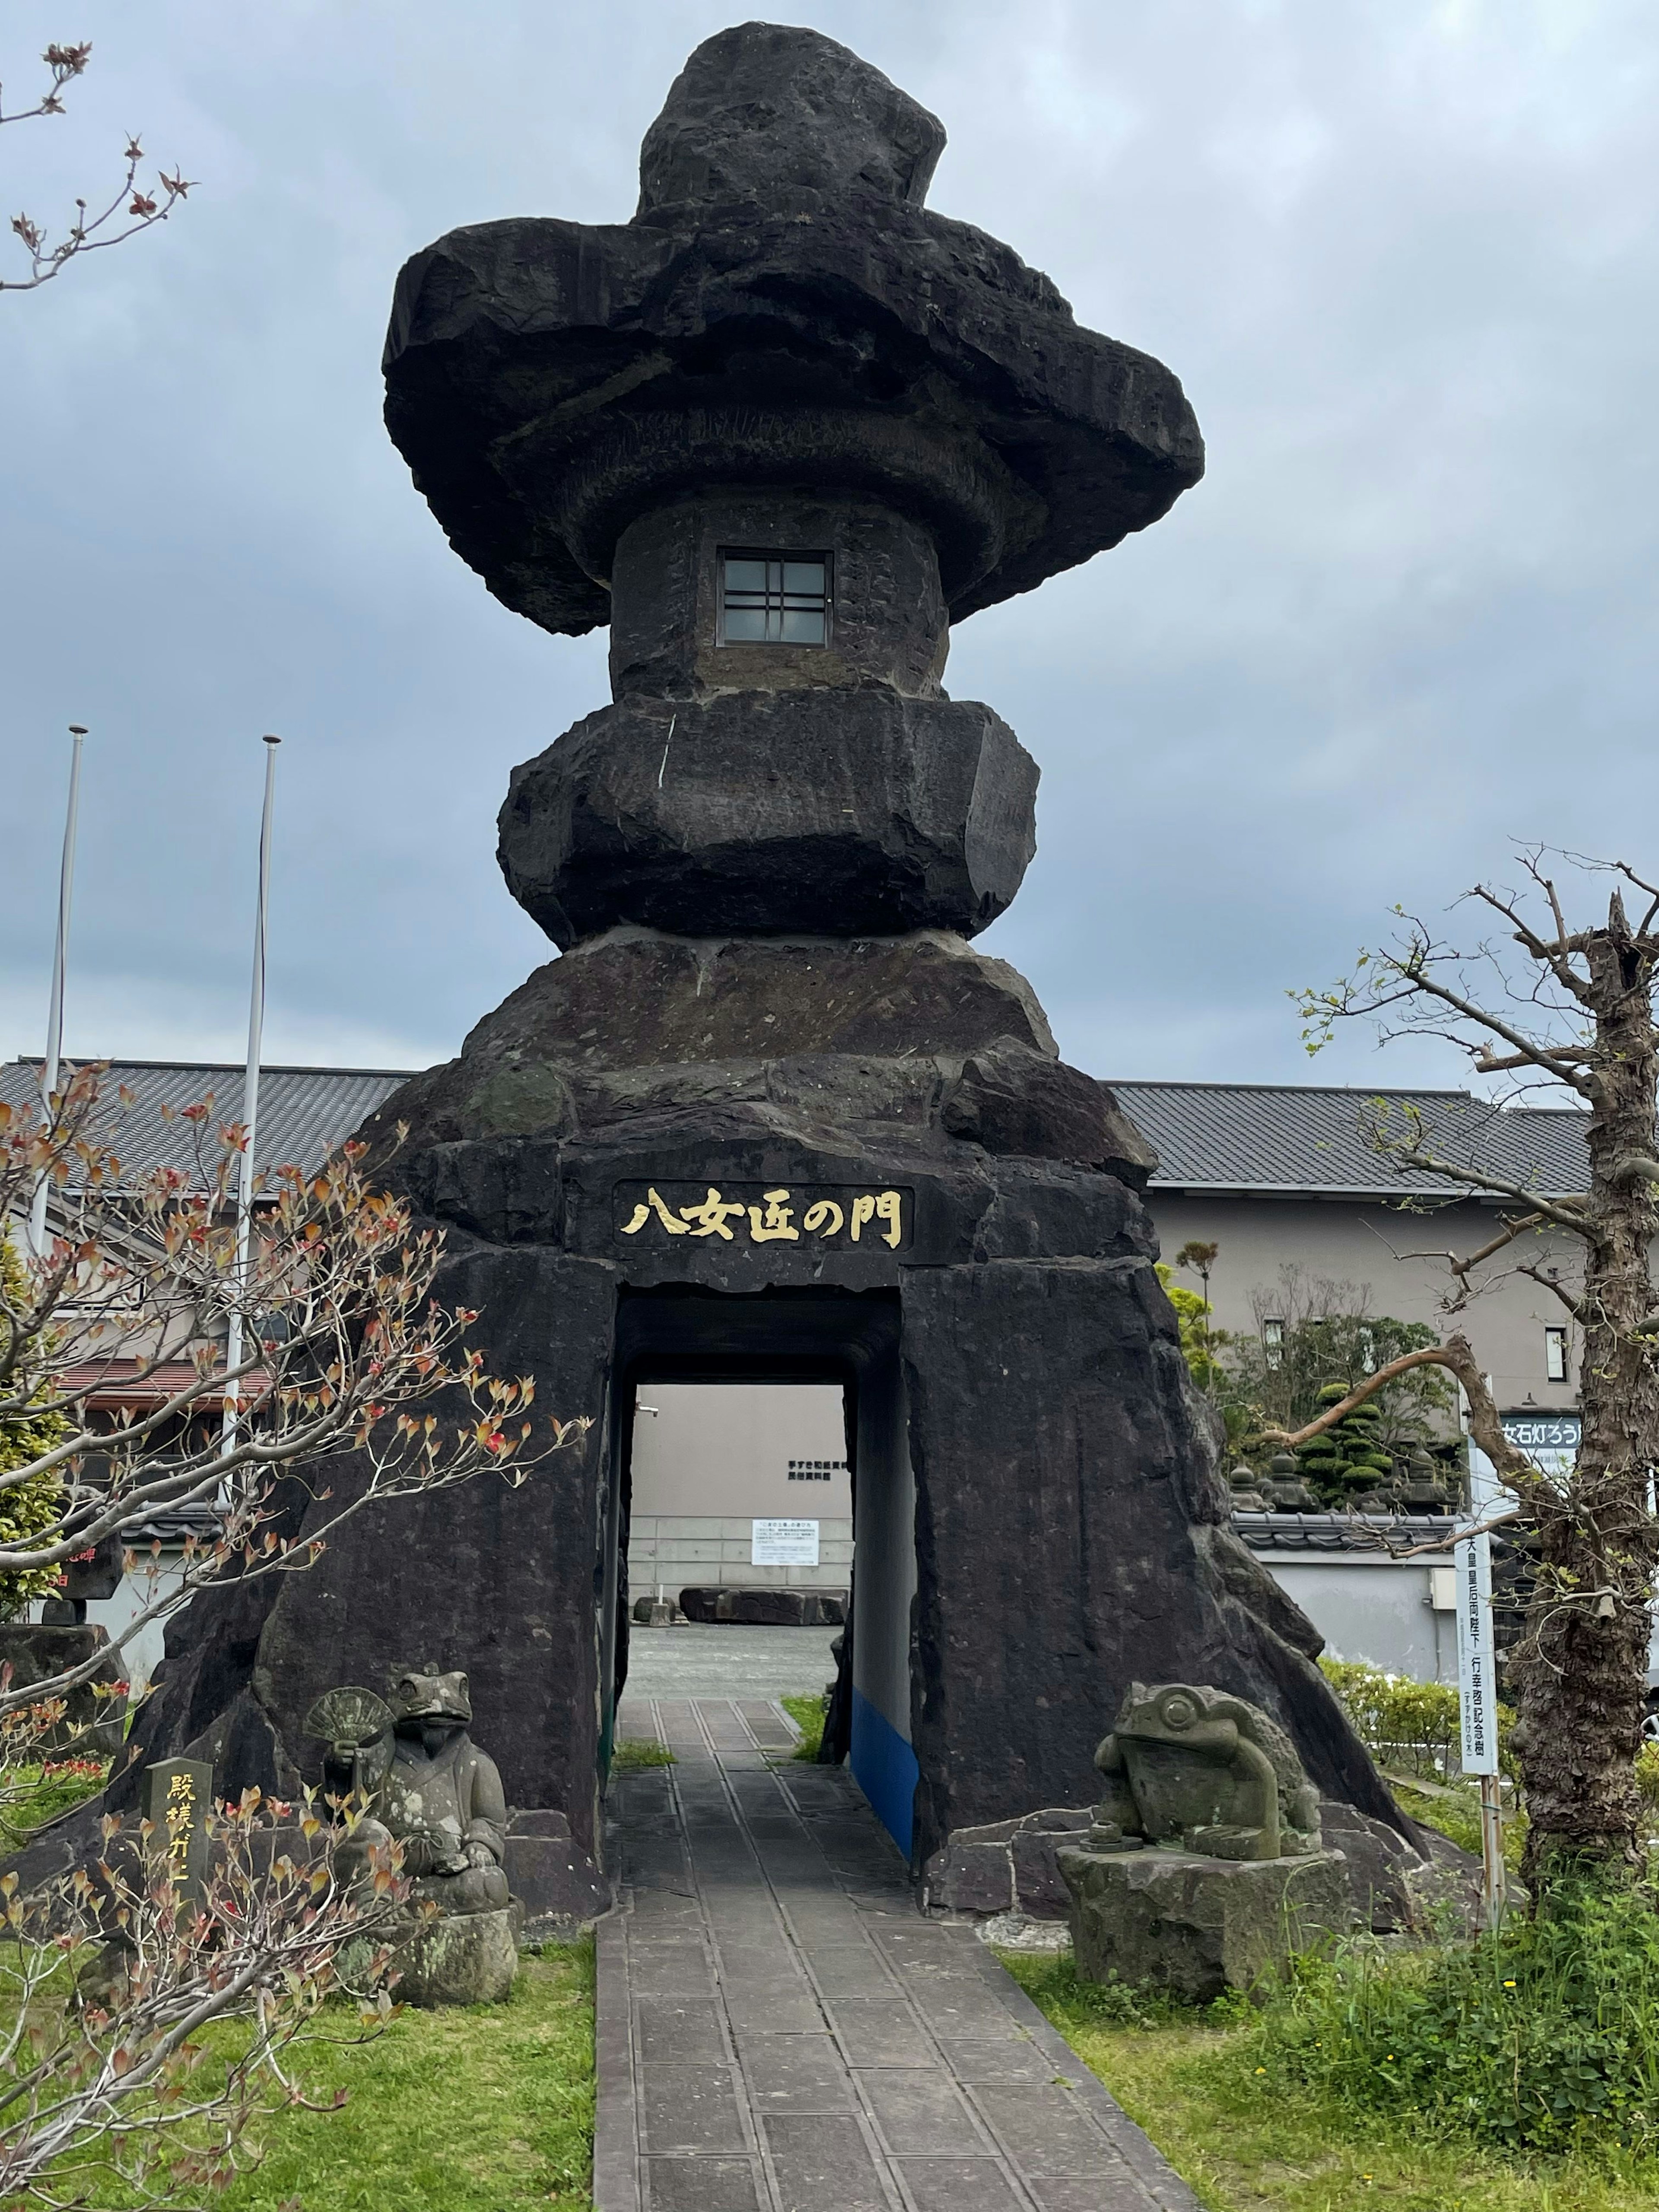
784, 1544
1477, 1668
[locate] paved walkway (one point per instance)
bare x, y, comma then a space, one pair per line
781, 2031
722, 1659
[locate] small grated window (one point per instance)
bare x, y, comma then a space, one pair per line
774, 598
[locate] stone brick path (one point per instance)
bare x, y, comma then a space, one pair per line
781, 2031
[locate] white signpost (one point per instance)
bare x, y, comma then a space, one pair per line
784, 1544
1477, 1672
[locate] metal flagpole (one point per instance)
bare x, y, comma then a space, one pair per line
55, 1015
256, 1023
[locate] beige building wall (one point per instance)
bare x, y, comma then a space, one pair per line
712, 1458
1369, 1245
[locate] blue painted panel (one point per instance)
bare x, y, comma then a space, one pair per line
885, 1769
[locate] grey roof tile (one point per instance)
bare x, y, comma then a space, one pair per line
1208, 1136
304, 1112
1302, 1137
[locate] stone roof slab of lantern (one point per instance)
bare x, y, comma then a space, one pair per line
781, 308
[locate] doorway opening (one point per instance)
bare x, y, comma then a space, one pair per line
700, 1360
742, 1489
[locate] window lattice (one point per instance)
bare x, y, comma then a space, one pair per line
774, 598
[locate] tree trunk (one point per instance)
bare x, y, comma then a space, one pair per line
1579, 1672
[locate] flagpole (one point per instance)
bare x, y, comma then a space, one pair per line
256, 1023
55, 1013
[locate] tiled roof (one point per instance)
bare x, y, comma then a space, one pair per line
1340, 1532
303, 1111
1208, 1136
1297, 1136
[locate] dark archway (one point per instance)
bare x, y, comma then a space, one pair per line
784, 1336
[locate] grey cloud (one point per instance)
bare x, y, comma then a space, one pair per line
1402, 258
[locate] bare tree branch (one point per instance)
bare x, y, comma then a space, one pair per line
134, 206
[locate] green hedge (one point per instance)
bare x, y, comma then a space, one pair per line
1409, 1727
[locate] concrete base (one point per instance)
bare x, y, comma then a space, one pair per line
1197, 1926
464, 1958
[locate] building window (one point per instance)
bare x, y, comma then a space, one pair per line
1272, 1342
815, 1470
774, 598
1555, 1355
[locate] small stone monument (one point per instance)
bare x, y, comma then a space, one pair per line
1285, 1484
427, 1786
1204, 1867
1425, 1491
1245, 1491
176, 1798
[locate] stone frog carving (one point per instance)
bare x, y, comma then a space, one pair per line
1193, 1769
426, 1783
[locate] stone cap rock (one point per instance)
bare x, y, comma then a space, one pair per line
763, 108
781, 310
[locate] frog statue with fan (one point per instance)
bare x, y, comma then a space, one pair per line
426, 1783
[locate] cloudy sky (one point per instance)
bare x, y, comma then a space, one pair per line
1401, 254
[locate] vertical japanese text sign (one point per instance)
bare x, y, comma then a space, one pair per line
1477, 1668
177, 1800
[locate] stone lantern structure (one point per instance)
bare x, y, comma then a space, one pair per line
770, 1114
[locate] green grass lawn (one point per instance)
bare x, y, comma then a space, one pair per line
1192, 2087
635, 1752
39, 1793
471, 2109
808, 1715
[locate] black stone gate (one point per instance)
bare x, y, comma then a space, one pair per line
771, 1114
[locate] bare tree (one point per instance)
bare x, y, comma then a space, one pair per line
133, 207
1574, 1013
117, 1405
109, 2086
114, 1342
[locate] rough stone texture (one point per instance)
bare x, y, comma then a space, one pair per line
461, 1959
1084, 1498
1065, 1474
638, 1024
557, 1883
767, 1607
638, 1034
1197, 1926
889, 627
782, 311
1007, 1866
766, 814
92, 1724
763, 360
1401, 1886
1197, 1769
748, 90
972, 1872
783, 339
1040, 1892
1380, 1866
1009, 1099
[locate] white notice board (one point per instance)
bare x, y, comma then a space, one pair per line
784, 1544
1477, 1672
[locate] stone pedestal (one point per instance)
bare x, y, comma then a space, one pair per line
460, 1959
1196, 1926
93, 1724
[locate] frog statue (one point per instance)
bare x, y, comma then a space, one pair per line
426, 1783
1193, 1769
